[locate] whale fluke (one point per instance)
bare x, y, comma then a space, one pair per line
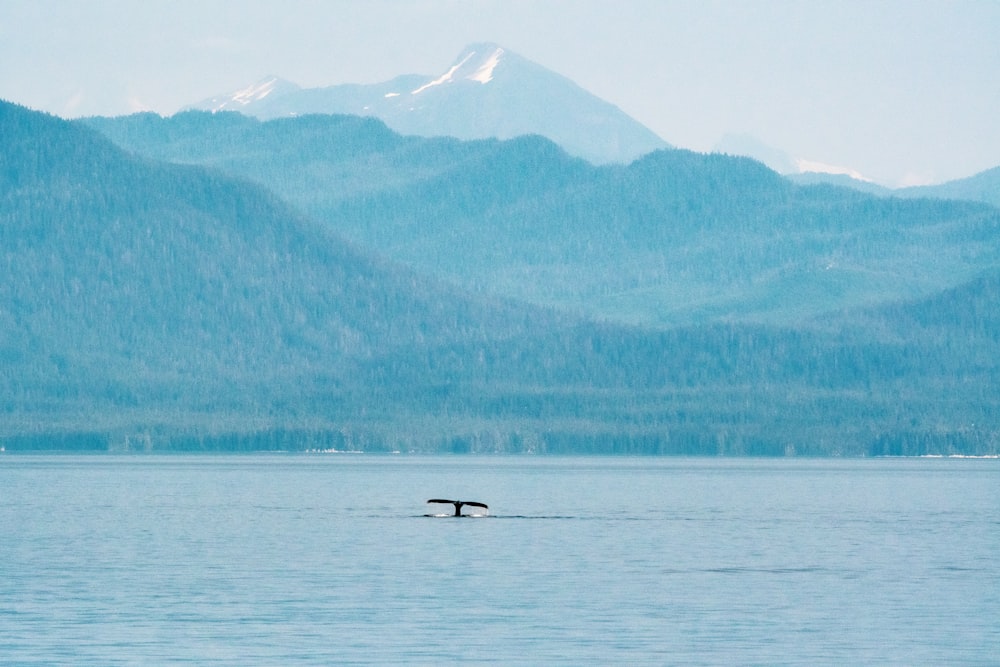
459, 504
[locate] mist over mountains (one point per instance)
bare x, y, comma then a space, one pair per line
136, 290
673, 238
174, 306
488, 91
487, 260
523, 98
982, 187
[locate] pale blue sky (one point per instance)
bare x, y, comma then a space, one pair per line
900, 90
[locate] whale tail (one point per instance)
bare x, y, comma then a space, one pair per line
459, 504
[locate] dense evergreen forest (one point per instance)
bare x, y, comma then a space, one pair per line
982, 187
675, 238
154, 306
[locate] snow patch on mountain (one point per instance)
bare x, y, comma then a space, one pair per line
477, 70
485, 72
522, 98
813, 167
271, 86
444, 78
779, 160
257, 91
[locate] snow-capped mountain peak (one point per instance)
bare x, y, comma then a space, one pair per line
484, 73
270, 86
258, 91
487, 91
477, 63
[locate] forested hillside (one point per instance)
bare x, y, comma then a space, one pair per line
135, 290
156, 306
984, 187
675, 238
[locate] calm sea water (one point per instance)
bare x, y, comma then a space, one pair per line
329, 559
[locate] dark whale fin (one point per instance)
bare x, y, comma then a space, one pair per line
469, 502
458, 504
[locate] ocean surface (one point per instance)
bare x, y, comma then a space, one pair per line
320, 559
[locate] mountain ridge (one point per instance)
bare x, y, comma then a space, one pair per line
980, 187
488, 91
170, 307
674, 237
184, 278
983, 186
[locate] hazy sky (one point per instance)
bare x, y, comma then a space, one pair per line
903, 91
